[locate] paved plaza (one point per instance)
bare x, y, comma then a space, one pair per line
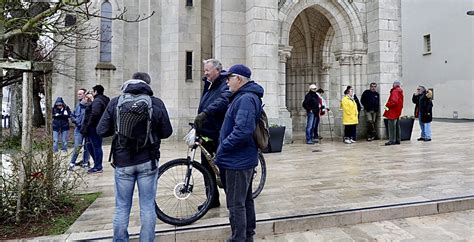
305, 181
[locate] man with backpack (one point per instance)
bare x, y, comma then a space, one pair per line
138, 121
237, 154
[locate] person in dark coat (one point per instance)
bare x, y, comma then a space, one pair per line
137, 165
393, 110
61, 113
371, 100
237, 154
91, 119
422, 99
211, 111
311, 105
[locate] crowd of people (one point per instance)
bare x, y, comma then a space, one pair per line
315, 106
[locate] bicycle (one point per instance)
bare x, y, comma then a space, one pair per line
185, 187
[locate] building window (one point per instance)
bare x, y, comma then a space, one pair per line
189, 3
189, 65
427, 44
106, 32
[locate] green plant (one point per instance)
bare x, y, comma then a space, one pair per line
276, 125
406, 117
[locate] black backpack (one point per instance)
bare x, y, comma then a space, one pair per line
133, 122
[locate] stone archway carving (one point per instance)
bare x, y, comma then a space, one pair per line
344, 41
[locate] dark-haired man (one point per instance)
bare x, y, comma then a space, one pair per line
371, 100
91, 119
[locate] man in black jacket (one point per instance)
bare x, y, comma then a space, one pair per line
211, 112
134, 164
311, 105
371, 101
91, 119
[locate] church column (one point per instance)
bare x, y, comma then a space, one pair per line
358, 85
284, 52
262, 38
384, 48
344, 68
324, 80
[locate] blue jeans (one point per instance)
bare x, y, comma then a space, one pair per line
125, 178
238, 192
310, 123
78, 143
94, 146
425, 128
316, 126
64, 138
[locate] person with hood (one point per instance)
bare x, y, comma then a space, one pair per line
92, 116
237, 154
393, 110
311, 105
422, 99
61, 113
77, 118
211, 111
350, 115
136, 165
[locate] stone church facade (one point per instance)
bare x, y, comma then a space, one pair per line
288, 45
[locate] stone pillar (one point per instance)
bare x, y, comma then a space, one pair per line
324, 79
262, 51
384, 48
284, 52
344, 68
358, 83
230, 32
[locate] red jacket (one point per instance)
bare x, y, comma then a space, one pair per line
394, 103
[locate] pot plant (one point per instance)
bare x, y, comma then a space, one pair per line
275, 142
406, 126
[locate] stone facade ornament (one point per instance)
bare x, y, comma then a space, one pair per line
357, 59
284, 52
344, 59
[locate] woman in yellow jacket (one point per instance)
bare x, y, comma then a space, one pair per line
350, 115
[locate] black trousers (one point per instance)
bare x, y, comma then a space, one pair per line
211, 147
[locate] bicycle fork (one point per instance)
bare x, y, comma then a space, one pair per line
188, 188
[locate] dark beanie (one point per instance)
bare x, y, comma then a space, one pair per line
142, 76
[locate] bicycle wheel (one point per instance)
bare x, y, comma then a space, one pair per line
179, 206
259, 176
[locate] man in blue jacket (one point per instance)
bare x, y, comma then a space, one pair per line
211, 111
136, 165
77, 118
237, 155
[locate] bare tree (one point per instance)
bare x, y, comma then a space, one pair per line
60, 22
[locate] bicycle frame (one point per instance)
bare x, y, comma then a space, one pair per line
210, 159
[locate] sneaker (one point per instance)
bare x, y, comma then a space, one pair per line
71, 167
315, 141
85, 166
370, 138
390, 143
353, 141
427, 140
347, 141
421, 139
309, 142
94, 171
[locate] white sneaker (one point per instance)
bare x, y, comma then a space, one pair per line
347, 141
71, 167
352, 141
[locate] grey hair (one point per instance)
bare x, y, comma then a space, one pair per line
246, 79
423, 89
215, 63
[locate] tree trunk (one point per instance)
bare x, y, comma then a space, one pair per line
15, 110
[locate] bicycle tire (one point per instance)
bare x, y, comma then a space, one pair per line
177, 208
259, 176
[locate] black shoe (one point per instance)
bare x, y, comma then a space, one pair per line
213, 205
421, 139
389, 143
397, 142
427, 140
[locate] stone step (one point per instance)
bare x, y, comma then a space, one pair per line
301, 223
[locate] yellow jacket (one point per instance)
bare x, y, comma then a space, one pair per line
349, 111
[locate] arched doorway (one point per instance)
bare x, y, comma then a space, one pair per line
327, 45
